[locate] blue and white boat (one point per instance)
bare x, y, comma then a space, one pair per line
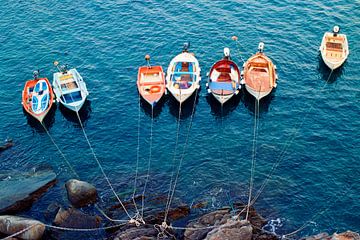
183, 75
69, 88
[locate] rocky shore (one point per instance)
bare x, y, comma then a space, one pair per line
225, 223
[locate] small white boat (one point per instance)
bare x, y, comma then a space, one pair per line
69, 88
224, 78
334, 48
183, 75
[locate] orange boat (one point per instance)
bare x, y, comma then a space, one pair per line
37, 97
259, 74
151, 82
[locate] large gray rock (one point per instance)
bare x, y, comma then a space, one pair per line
80, 193
19, 190
143, 232
13, 224
231, 230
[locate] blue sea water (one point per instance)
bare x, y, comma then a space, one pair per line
312, 118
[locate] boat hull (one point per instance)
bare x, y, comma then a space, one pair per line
182, 89
151, 83
75, 84
334, 50
27, 98
258, 95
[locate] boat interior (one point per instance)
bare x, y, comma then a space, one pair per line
334, 46
183, 76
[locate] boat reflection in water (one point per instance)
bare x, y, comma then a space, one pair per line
221, 110
250, 102
186, 107
84, 113
328, 75
47, 122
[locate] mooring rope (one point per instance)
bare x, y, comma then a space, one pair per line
149, 161
174, 156
137, 155
182, 156
61, 153
287, 145
99, 164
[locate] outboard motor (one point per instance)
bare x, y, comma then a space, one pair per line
186, 47
336, 30
226, 53
36, 74
261, 47
147, 59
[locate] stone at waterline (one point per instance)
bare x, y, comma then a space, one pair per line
13, 224
131, 232
348, 235
74, 218
232, 229
20, 190
80, 193
8, 144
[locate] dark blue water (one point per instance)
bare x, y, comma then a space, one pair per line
107, 41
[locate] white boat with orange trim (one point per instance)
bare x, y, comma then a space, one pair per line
334, 48
259, 74
151, 82
224, 78
37, 97
183, 75
69, 88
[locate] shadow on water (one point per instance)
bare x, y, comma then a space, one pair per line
325, 71
48, 120
227, 108
157, 108
71, 116
186, 107
250, 101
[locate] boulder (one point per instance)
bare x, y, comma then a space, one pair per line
12, 224
320, 236
131, 232
348, 235
20, 190
80, 193
232, 229
73, 218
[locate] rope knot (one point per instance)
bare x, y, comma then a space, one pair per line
134, 221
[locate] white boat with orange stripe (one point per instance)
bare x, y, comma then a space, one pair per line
334, 48
183, 75
151, 82
259, 74
69, 88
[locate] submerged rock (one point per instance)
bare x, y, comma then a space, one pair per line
8, 144
74, 218
20, 190
13, 224
80, 193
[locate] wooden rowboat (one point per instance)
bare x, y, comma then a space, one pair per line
259, 74
334, 48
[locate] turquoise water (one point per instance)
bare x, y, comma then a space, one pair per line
107, 42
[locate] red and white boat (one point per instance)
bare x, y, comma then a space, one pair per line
151, 82
224, 79
37, 97
259, 74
